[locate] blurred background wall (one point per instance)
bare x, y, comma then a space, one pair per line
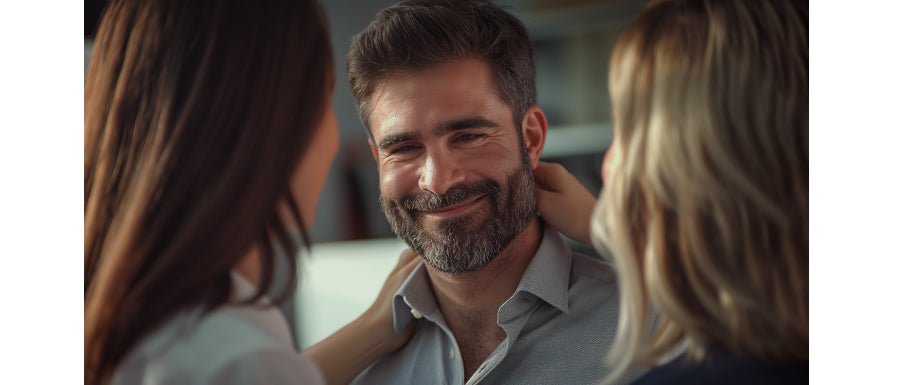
572, 42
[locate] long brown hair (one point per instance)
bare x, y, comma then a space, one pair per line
196, 114
705, 206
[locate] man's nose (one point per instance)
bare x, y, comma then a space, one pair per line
440, 172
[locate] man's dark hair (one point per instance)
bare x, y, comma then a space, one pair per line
415, 34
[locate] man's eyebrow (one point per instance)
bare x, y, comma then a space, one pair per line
389, 140
442, 129
463, 124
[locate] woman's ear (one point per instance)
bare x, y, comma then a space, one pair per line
533, 128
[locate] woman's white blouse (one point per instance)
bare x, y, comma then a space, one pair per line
230, 345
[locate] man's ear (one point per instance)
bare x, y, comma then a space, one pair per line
374, 149
534, 127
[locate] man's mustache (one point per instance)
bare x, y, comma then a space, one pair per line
430, 201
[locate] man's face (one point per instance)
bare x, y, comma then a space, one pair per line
456, 180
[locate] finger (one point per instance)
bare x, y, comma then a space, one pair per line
544, 163
411, 264
541, 195
545, 169
408, 261
545, 193
545, 175
406, 256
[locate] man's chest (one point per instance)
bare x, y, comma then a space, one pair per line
476, 344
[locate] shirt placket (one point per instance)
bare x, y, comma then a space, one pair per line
449, 351
517, 312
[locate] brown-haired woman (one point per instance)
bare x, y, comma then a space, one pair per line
704, 205
208, 135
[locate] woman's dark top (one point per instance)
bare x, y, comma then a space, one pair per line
727, 369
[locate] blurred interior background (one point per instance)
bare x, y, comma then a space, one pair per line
355, 248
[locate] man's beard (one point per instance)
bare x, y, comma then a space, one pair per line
466, 243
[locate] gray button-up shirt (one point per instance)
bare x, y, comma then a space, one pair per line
559, 326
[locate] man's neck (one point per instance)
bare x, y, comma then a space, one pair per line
470, 301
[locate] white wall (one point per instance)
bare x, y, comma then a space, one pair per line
337, 282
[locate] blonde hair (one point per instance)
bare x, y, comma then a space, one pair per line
704, 213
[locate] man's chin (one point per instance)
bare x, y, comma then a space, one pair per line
441, 236
453, 265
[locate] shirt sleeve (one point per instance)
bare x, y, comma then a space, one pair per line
269, 367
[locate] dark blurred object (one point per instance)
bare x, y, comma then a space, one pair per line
93, 12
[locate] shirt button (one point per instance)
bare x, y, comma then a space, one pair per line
416, 313
452, 353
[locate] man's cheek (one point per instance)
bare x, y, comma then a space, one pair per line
396, 184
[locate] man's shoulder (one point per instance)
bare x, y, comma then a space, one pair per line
593, 287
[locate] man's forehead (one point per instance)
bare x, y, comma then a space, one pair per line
409, 123
410, 100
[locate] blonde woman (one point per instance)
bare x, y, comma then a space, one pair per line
704, 205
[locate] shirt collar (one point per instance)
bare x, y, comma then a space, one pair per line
415, 295
547, 277
242, 289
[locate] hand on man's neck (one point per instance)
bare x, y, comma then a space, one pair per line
470, 301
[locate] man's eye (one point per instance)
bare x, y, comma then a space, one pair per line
468, 137
404, 149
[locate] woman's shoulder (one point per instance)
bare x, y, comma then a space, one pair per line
727, 369
242, 344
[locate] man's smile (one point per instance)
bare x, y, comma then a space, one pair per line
454, 210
